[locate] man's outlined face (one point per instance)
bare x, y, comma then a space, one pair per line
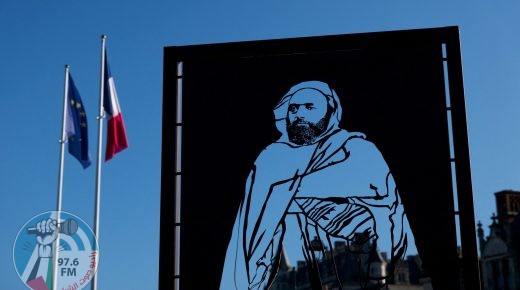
307, 116
307, 106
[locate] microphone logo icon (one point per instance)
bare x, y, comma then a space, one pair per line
56, 248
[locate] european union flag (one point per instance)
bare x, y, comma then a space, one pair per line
76, 128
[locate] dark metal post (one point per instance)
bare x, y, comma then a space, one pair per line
470, 263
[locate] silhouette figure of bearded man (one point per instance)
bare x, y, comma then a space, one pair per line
331, 184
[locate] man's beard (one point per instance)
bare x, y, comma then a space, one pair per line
305, 133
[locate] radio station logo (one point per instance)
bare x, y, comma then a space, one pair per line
56, 248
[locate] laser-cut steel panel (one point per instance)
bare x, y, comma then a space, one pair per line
391, 89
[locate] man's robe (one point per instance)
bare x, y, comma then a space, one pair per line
339, 188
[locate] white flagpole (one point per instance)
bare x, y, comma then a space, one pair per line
101, 116
62, 141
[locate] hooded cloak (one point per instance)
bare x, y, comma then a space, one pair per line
338, 187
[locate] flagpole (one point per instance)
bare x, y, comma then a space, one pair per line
62, 141
100, 117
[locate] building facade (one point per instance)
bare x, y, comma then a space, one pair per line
408, 276
500, 250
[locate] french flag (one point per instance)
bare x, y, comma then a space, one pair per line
116, 133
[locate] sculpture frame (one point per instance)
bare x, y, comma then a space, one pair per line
177, 153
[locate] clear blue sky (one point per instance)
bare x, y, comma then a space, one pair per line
40, 37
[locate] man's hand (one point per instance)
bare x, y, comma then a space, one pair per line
46, 236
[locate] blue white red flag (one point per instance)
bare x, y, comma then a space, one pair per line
116, 133
76, 129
